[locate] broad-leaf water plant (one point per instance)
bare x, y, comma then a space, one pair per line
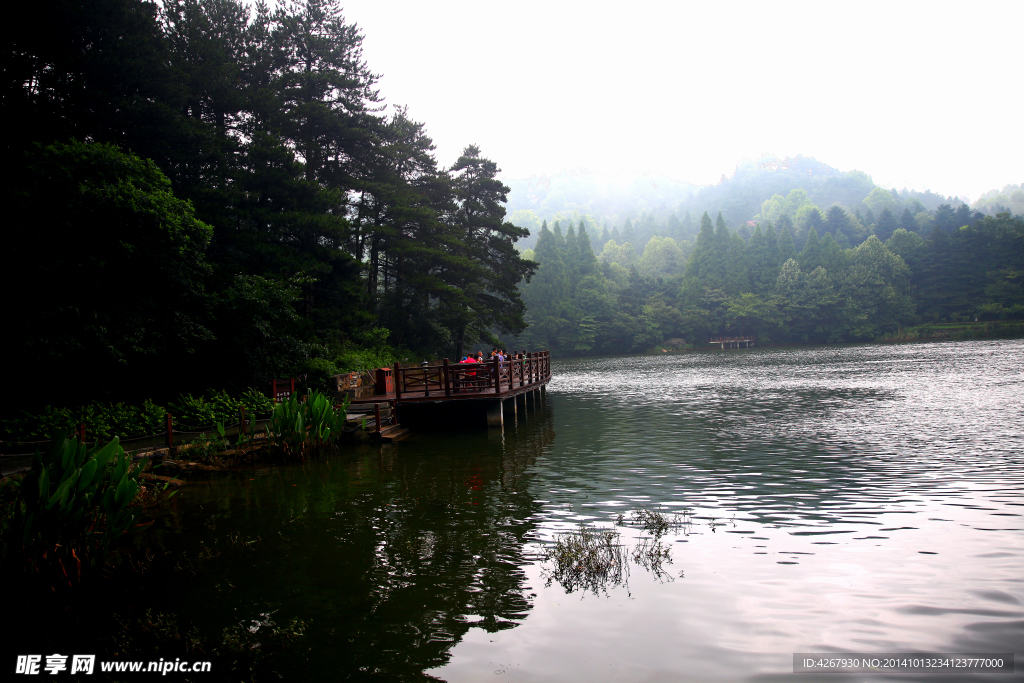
70, 509
306, 427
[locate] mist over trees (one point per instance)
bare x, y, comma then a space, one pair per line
758, 190
208, 193
842, 284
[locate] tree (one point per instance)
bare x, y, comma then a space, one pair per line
484, 294
661, 258
945, 217
907, 221
109, 265
810, 256
886, 225
877, 291
587, 259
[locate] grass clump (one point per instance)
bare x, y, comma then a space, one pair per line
587, 559
657, 522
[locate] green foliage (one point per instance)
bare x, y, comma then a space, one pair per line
103, 421
204, 448
300, 428
372, 351
70, 509
117, 262
215, 406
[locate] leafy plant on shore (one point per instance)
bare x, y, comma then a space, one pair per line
69, 510
306, 427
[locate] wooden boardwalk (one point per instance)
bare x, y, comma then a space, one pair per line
732, 342
493, 382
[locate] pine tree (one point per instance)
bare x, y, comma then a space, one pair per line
835, 220
737, 266
886, 225
687, 226
833, 257
484, 294
907, 221
772, 242
810, 256
869, 220
587, 259
572, 258
757, 257
697, 264
629, 233
787, 249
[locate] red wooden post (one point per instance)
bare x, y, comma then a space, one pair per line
447, 382
273, 390
496, 373
170, 430
81, 432
376, 415
292, 388
398, 380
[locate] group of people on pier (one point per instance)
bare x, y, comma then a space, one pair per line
500, 354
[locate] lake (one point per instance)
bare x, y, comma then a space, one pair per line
830, 499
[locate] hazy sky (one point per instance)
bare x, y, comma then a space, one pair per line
925, 95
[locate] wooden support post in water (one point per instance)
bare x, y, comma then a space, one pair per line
515, 412
376, 415
521, 399
494, 417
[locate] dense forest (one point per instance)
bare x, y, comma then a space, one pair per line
796, 275
206, 193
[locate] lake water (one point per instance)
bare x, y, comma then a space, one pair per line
835, 499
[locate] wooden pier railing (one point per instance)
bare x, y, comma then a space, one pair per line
492, 378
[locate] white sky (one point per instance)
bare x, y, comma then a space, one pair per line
925, 95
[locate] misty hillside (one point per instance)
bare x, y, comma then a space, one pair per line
643, 206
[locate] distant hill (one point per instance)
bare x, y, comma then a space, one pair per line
610, 201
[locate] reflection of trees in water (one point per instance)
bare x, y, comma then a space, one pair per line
439, 550
386, 556
594, 560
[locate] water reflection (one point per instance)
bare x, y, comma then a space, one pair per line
369, 563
